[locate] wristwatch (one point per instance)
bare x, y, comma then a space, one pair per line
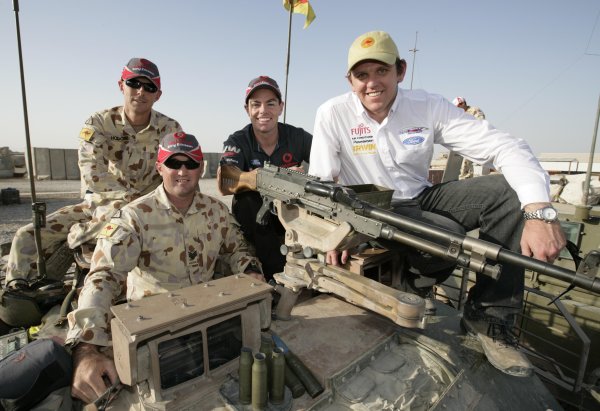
547, 214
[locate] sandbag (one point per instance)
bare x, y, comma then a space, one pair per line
572, 193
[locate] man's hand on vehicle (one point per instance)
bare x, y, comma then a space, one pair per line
89, 368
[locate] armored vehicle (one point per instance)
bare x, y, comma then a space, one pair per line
362, 360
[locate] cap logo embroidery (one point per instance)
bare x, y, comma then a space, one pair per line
368, 42
142, 69
260, 83
263, 82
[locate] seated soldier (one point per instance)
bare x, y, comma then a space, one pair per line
171, 238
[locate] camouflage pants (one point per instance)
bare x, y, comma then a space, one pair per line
77, 224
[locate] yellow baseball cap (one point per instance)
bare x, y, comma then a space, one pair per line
374, 45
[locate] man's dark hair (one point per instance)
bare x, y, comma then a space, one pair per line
400, 65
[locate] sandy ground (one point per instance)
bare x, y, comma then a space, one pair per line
57, 194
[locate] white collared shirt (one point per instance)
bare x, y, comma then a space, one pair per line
348, 144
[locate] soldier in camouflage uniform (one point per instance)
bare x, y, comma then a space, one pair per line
167, 239
116, 158
472, 110
466, 169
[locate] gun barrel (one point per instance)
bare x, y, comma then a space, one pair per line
410, 224
510, 257
413, 229
464, 260
489, 250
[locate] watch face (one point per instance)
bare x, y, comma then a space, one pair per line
549, 214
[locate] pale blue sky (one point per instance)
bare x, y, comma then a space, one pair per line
523, 62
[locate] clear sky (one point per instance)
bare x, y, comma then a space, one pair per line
533, 66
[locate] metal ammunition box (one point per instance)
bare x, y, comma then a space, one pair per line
373, 194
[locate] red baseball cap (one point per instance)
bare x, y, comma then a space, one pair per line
262, 82
459, 100
179, 143
140, 67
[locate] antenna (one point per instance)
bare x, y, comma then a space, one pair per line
588, 174
38, 208
287, 62
414, 52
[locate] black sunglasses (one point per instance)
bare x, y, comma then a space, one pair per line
175, 164
136, 84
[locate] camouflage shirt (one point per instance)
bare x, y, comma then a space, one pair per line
475, 112
161, 249
115, 161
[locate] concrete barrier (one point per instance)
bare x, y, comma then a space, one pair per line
71, 164
58, 170
211, 163
6, 163
55, 163
62, 164
41, 163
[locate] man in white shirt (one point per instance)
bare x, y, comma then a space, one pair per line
381, 134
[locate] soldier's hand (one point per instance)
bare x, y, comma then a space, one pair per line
89, 368
256, 275
333, 257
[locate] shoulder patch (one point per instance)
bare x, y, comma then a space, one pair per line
86, 133
108, 230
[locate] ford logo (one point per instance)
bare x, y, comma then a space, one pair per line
413, 141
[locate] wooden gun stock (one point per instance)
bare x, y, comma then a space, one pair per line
232, 180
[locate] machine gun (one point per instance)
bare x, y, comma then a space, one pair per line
321, 215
